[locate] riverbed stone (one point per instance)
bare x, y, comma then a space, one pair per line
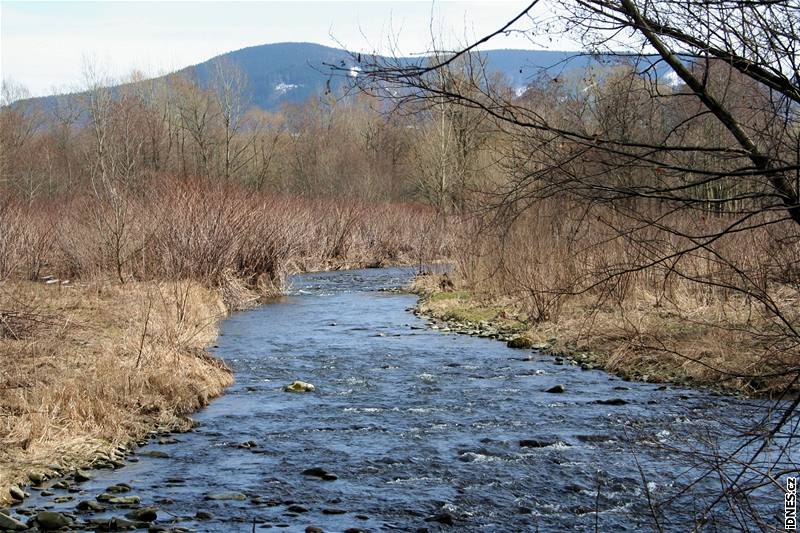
297, 509
16, 493
90, 505
8, 523
612, 401
333, 511
125, 500
536, 443
81, 476
203, 515
155, 454
299, 386
118, 523
145, 514
442, 518
556, 389
226, 496
51, 521
520, 343
314, 529
319, 473
37, 478
118, 488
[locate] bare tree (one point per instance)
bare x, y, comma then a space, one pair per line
682, 175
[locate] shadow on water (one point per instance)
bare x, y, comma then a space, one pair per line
425, 430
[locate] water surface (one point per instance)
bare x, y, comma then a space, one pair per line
422, 427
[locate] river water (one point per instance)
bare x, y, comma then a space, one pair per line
424, 429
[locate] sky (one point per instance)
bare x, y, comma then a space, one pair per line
44, 45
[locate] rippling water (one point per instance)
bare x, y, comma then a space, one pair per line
420, 426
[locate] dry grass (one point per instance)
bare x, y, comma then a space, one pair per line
90, 366
706, 347
591, 283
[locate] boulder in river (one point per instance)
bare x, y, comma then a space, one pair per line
81, 476
8, 523
320, 473
520, 342
16, 493
145, 514
299, 386
90, 505
51, 521
154, 453
119, 487
442, 518
124, 500
556, 389
536, 443
612, 401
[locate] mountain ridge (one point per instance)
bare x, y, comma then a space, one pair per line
293, 72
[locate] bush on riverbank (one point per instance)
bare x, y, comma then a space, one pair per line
720, 315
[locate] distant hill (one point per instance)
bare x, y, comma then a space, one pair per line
292, 72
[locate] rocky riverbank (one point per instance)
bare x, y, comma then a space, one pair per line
90, 369
593, 339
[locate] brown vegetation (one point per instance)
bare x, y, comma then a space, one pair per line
90, 365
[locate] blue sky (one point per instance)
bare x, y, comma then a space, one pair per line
44, 43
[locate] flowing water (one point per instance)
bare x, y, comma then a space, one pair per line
423, 428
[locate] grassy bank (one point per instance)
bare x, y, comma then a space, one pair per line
708, 346
118, 352
87, 367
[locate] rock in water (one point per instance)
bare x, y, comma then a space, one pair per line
11, 524
155, 454
81, 476
90, 505
556, 389
124, 500
442, 518
16, 493
535, 443
50, 521
145, 514
520, 342
612, 401
320, 473
299, 386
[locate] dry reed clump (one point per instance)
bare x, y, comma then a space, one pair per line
638, 300
211, 233
100, 364
119, 351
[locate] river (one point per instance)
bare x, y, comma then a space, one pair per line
423, 429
